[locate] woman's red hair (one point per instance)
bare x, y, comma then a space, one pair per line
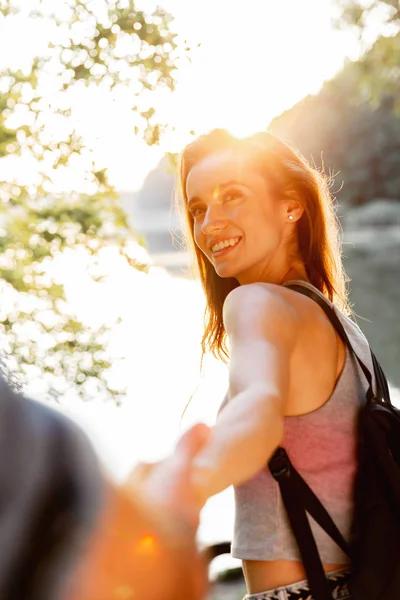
318, 231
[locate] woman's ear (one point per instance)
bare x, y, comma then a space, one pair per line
294, 209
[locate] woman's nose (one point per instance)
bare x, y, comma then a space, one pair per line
213, 220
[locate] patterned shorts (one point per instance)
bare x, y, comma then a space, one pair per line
338, 583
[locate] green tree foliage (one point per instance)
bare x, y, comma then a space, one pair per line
379, 68
106, 44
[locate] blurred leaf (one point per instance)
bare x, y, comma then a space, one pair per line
357, 13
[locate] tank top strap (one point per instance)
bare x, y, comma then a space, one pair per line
310, 286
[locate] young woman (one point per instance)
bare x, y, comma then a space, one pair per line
259, 218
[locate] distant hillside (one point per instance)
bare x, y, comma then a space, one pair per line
158, 187
352, 130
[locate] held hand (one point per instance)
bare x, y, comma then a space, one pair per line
167, 483
145, 543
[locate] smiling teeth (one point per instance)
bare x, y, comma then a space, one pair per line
224, 244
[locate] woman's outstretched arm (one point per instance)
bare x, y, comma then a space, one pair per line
262, 330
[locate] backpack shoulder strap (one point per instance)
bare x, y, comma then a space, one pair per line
299, 499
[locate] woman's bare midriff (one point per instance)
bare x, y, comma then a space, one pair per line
264, 575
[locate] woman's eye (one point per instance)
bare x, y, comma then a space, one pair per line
197, 211
232, 195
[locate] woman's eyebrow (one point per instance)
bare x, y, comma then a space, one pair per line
221, 186
218, 188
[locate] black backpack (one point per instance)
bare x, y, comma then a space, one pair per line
374, 548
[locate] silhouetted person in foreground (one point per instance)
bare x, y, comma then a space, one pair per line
67, 533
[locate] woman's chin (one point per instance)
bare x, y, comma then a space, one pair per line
226, 271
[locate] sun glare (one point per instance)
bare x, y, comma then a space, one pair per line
253, 62
251, 65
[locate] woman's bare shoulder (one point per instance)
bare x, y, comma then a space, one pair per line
259, 293
259, 302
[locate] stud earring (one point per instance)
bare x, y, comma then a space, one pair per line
291, 217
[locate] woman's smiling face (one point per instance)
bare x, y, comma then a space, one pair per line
238, 224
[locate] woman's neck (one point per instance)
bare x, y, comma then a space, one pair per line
297, 271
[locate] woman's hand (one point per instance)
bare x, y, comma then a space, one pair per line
167, 483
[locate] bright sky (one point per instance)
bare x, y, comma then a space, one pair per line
256, 59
